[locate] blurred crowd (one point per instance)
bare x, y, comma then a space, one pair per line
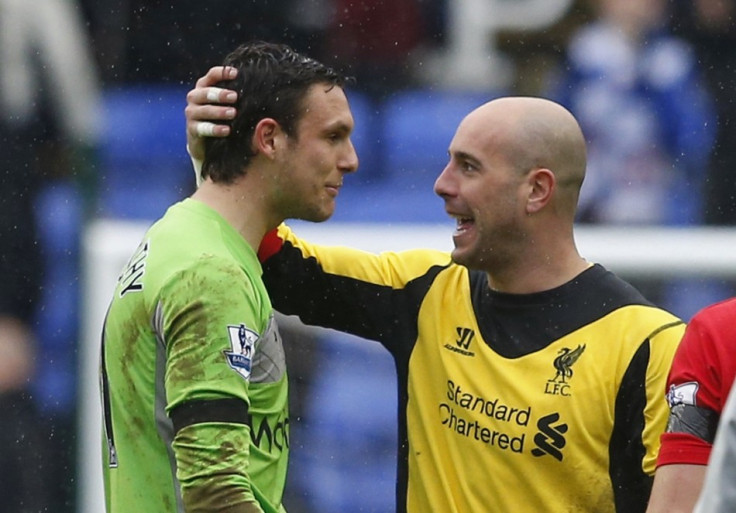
650, 83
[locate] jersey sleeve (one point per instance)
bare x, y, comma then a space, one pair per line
208, 319
366, 294
663, 345
695, 393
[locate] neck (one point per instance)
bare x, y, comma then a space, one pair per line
539, 273
240, 207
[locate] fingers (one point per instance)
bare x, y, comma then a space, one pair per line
205, 129
213, 94
210, 94
215, 75
207, 107
207, 120
207, 104
202, 121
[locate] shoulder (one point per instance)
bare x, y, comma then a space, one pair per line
208, 272
610, 288
640, 313
711, 334
722, 314
213, 288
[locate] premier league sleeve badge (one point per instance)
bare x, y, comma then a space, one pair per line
242, 345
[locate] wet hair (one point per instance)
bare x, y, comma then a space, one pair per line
272, 82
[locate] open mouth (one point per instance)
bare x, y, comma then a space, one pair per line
463, 224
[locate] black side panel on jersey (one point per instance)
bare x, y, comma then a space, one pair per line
299, 286
112, 454
631, 486
516, 325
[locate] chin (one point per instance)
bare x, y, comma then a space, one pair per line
457, 257
317, 217
466, 259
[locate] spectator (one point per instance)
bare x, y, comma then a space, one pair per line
638, 94
374, 40
162, 41
49, 97
650, 124
23, 437
710, 25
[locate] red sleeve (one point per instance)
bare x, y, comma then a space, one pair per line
683, 448
701, 375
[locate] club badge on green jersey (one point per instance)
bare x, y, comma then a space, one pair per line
242, 343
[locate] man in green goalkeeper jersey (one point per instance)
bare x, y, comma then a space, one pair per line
193, 377
529, 378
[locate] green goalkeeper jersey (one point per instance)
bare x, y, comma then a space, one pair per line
193, 376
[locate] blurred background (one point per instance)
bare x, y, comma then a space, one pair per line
93, 150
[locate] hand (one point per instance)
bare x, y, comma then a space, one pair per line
202, 116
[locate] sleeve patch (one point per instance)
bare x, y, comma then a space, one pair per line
242, 345
685, 393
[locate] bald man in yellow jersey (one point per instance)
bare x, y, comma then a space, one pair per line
529, 378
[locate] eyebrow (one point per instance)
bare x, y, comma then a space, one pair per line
461, 155
339, 126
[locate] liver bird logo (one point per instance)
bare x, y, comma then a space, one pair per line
564, 361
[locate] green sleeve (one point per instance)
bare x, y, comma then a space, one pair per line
198, 309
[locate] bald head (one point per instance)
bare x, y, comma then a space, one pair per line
513, 179
536, 133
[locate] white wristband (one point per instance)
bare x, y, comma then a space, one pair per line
197, 165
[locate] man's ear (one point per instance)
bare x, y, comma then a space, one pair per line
541, 186
266, 137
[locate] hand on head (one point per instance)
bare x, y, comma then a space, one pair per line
207, 108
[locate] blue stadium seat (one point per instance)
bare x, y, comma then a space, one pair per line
418, 126
347, 455
59, 213
414, 131
367, 140
144, 166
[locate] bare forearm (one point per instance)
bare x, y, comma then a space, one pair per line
676, 488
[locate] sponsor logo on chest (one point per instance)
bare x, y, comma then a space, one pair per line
462, 342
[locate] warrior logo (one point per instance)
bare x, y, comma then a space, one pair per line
563, 364
242, 342
464, 337
462, 342
550, 439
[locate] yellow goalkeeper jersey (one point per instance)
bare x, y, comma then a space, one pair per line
545, 402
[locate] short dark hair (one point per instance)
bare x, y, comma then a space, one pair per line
272, 82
